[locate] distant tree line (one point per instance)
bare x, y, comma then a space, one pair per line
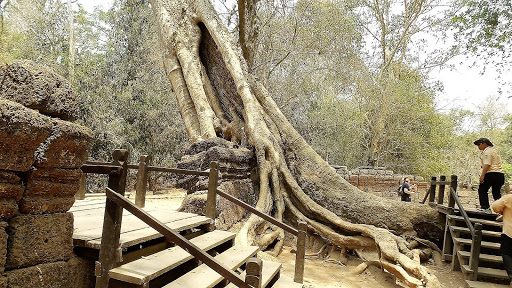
347, 74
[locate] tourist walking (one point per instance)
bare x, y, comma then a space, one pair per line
492, 173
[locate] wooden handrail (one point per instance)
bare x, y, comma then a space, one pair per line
476, 236
251, 209
301, 233
176, 238
462, 211
102, 169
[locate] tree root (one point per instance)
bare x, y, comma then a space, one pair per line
287, 166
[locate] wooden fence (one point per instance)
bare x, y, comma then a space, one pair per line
117, 172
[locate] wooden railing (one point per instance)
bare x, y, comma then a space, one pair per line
449, 209
299, 233
110, 254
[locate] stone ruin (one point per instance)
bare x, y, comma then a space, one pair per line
381, 181
236, 174
41, 153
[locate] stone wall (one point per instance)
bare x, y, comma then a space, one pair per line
384, 183
381, 181
40, 158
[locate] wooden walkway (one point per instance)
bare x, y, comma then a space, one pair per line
88, 224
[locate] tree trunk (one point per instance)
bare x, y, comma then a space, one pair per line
219, 98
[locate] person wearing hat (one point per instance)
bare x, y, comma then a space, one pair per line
492, 173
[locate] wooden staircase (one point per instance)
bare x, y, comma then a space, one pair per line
195, 255
175, 267
490, 272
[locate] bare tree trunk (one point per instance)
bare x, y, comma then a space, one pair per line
71, 64
218, 97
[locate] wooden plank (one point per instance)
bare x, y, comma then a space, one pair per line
100, 206
270, 270
484, 232
286, 282
485, 244
489, 272
91, 224
483, 257
479, 284
476, 220
148, 268
204, 277
93, 230
146, 234
87, 202
134, 237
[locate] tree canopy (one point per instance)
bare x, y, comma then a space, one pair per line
345, 73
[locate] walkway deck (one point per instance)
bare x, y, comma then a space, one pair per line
88, 223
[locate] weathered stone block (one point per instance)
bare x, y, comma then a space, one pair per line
354, 180
14, 191
61, 274
45, 204
8, 208
3, 247
37, 239
9, 177
22, 130
66, 147
37, 87
53, 181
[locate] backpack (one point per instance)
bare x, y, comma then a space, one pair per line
400, 190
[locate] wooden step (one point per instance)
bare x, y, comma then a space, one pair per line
286, 282
479, 284
269, 272
204, 277
483, 257
484, 232
485, 244
148, 268
487, 272
476, 220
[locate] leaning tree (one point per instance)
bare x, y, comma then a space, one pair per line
218, 97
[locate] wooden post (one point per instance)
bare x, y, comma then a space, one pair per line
142, 181
453, 185
440, 196
447, 241
253, 269
301, 253
475, 251
432, 191
109, 248
211, 199
80, 195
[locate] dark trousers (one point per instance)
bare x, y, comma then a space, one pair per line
506, 252
494, 180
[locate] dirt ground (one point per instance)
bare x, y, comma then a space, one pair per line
321, 273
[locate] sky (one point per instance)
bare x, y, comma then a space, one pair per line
464, 87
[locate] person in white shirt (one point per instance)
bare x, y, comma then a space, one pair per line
492, 174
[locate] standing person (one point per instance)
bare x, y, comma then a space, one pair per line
492, 173
503, 206
407, 190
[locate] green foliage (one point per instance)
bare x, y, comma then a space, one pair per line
508, 171
125, 96
484, 28
347, 104
125, 92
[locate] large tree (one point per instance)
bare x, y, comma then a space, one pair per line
219, 97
